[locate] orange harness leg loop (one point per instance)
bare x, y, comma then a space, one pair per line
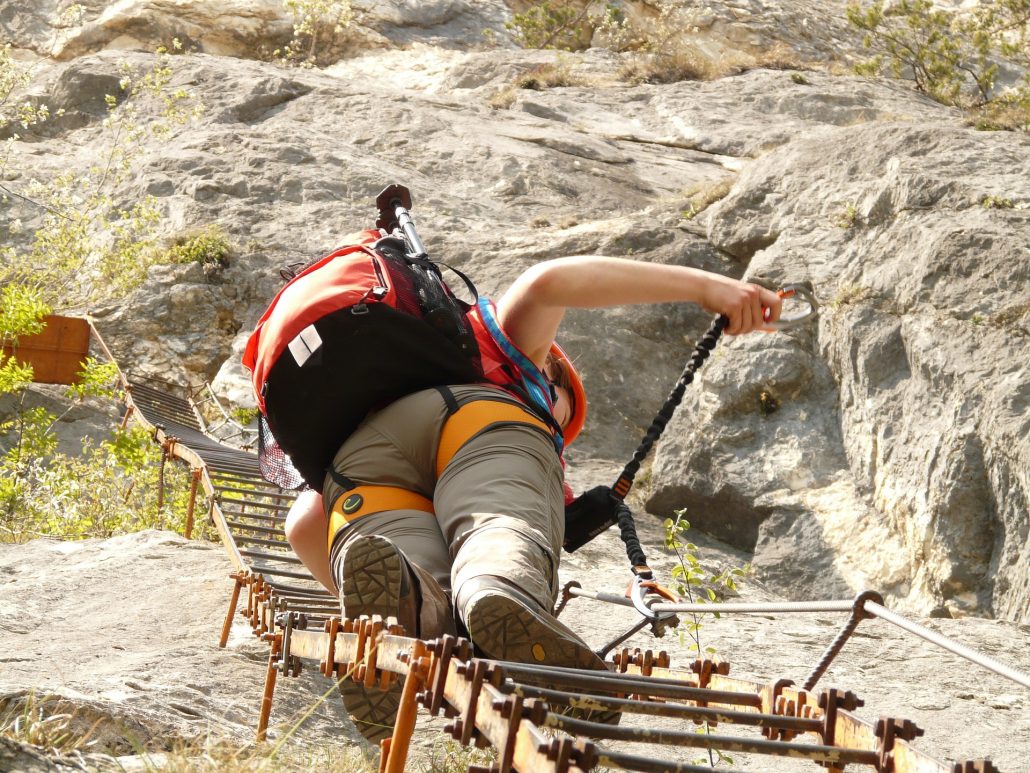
472, 418
368, 500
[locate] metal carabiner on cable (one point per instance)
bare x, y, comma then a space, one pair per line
805, 295
642, 586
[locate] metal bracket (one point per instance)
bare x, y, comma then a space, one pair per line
289, 665
510, 710
327, 667
463, 727
566, 596
889, 729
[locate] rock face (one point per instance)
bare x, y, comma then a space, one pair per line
886, 446
909, 404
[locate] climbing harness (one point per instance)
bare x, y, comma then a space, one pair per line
604, 506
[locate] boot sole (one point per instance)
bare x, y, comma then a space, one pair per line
372, 578
372, 585
373, 711
506, 629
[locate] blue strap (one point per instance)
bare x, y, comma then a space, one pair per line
534, 383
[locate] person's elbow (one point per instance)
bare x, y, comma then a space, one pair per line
546, 283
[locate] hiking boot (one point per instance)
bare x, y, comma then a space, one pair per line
506, 626
375, 580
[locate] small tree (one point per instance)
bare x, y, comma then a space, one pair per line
953, 57
86, 245
559, 24
317, 24
698, 584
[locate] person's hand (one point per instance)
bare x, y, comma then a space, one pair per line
749, 307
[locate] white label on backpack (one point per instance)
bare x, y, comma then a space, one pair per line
305, 344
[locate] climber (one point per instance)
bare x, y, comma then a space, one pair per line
452, 498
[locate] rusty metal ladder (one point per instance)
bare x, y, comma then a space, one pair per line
537, 718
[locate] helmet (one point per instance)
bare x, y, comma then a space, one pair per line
579, 395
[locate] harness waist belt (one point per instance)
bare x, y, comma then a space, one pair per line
472, 418
368, 500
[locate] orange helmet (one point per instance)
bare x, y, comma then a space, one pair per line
578, 394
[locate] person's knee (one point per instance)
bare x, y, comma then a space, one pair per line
305, 520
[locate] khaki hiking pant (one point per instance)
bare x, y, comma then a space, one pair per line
466, 482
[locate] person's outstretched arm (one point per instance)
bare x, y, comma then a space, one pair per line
531, 310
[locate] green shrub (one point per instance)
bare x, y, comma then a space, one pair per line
110, 488
85, 247
208, 247
697, 584
317, 25
996, 202
952, 56
847, 216
558, 24
848, 295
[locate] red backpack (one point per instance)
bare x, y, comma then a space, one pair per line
355, 331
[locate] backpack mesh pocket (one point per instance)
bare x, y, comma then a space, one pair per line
276, 466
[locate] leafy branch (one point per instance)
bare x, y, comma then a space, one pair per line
699, 585
952, 56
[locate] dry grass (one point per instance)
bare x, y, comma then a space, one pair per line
538, 78
54, 729
448, 756
548, 76
226, 759
1002, 115
703, 195
683, 62
681, 65
504, 98
41, 722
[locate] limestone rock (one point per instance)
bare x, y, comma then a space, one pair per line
923, 335
884, 446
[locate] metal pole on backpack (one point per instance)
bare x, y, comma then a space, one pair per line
393, 204
440, 307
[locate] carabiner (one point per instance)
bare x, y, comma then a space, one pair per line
801, 292
642, 586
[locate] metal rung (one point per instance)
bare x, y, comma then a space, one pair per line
254, 516
271, 543
261, 569
270, 494
252, 527
287, 590
284, 558
251, 503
